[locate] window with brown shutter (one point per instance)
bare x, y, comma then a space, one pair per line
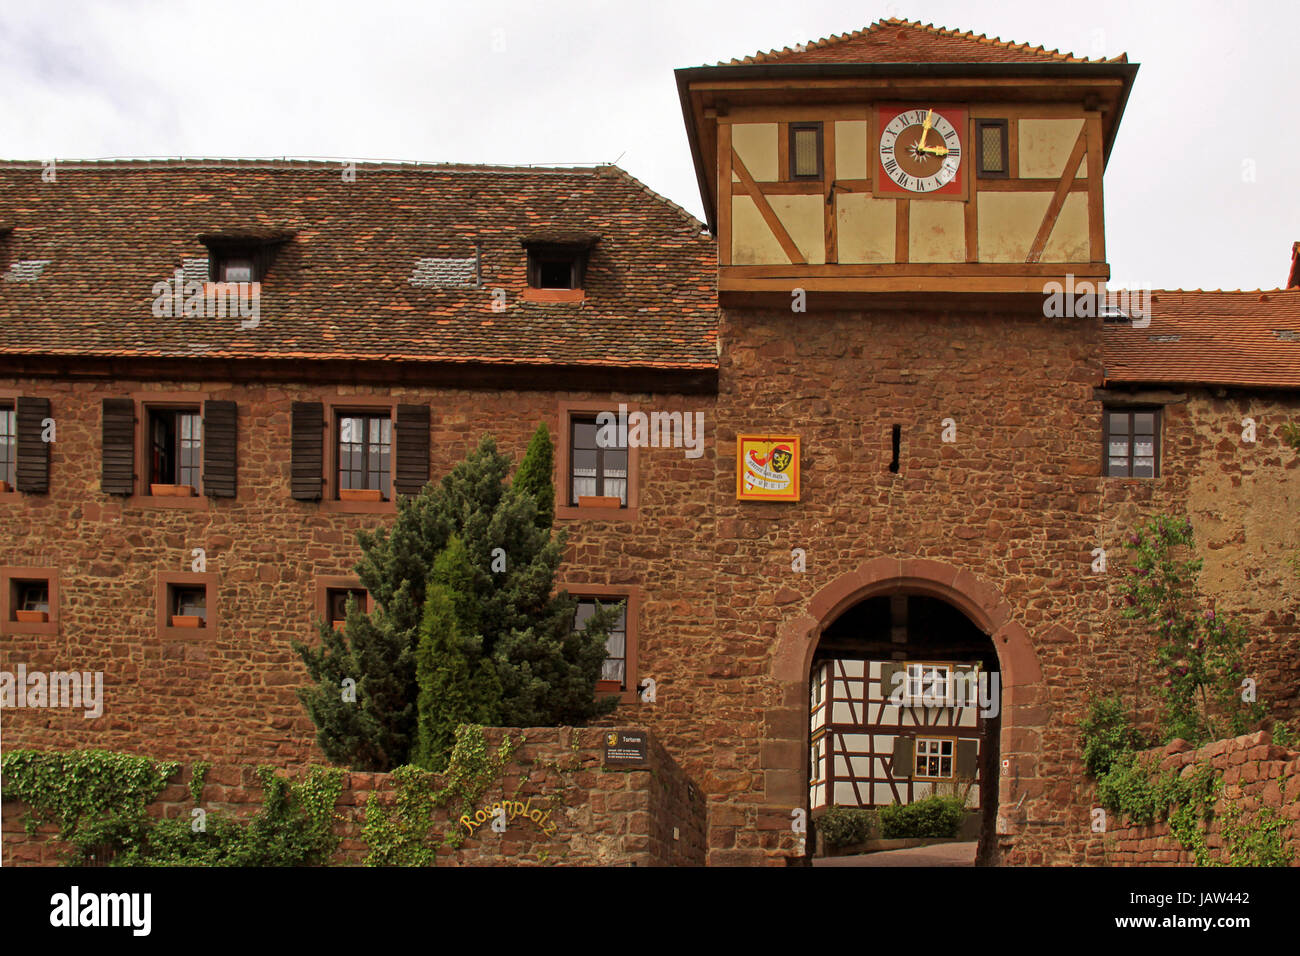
219, 435
412, 441
33, 452
117, 476
307, 451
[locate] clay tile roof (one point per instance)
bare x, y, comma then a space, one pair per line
1247, 339
909, 41
340, 285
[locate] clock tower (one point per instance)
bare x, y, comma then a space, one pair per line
904, 158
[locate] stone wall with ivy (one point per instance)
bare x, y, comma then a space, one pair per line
552, 801
1233, 802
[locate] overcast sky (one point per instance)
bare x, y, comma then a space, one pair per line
1201, 191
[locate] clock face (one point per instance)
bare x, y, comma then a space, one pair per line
921, 150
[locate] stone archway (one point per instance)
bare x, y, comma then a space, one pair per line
1024, 711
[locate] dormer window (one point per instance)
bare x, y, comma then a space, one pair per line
560, 269
235, 268
557, 266
242, 257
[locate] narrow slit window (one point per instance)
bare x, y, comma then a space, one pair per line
896, 440
993, 149
805, 150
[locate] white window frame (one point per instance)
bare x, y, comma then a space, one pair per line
926, 687
932, 748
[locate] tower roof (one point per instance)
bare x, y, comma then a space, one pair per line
909, 41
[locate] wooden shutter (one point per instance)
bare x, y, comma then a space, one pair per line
33, 453
308, 450
967, 759
903, 759
412, 440
219, 432
887, 671
118, 475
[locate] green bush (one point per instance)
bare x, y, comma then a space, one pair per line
1107, 734
845, 826
933, 817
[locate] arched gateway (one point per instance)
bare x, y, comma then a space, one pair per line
983, 630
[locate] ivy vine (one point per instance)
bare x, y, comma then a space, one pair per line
400, 833
99, 800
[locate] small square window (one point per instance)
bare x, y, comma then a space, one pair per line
992, 142
1131, 443
186, 604
29, 600
928, 685
235, 270
555, 269
32, 596
189, 603
175, 446
235, 263
805, 150
933, 758
336, 604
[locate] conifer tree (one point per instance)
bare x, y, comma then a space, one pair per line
480, 545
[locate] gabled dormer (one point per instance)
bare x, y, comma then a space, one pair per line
900, 159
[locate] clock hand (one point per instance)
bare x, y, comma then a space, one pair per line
925, 130
933, 150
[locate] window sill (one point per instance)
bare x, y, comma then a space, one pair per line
194, 503
338, 506
554, 295
169, 633
572, 512
30, 627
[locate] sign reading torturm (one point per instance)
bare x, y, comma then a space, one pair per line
627, 748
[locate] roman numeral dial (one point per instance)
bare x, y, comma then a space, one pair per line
921, 150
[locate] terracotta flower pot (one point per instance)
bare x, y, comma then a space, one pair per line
32, 617
186, 620
5, 486
339, 625
360, 494
599, 501
172, 491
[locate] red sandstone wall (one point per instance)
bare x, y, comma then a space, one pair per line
1256, 773
652, 816
230, 697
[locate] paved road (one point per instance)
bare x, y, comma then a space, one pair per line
940, 854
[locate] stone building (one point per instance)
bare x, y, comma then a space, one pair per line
887, 213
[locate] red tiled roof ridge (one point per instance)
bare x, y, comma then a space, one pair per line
894, 22
331, 163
